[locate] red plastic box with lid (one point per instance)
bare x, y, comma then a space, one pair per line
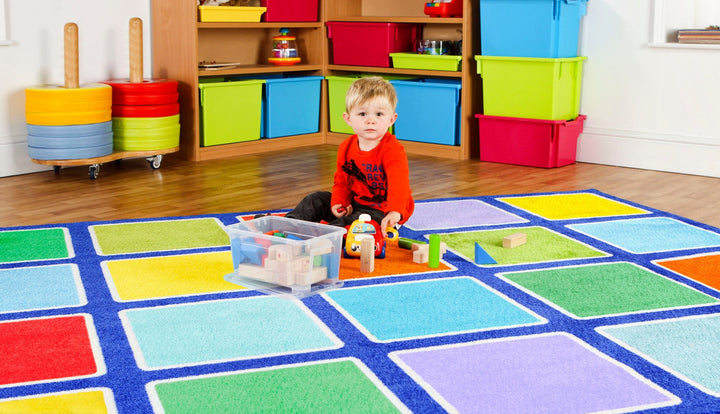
370, 44
531, 142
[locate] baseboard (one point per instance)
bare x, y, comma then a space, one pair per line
650, 151
14, 159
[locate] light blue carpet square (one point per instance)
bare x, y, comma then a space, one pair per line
647, 235
40, 287
428, 308
223, 330
688, 347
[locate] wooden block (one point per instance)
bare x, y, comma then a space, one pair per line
320, 247
252, 272
281, 252
420, 246
302, 264
367, 255
514, 240
421, 256
317, 274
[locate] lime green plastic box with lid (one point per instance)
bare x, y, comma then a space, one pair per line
536, 88
231, 111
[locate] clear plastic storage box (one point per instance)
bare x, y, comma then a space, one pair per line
280, 255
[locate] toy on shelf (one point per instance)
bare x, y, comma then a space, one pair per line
284, 49
444, 8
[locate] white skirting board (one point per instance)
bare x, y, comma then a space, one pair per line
649, 151
14, 160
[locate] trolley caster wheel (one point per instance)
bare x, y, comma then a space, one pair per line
155, 161
93, 171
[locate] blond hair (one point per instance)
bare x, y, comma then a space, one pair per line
366, 89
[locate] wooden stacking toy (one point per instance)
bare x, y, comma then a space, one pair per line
69, 122
145, 112
73, 125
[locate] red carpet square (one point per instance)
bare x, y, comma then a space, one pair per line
45, 349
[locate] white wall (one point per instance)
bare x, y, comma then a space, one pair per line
35, 57
650, 107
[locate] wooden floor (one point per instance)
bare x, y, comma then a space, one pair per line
131, 189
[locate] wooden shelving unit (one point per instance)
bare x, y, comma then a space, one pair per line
180, 42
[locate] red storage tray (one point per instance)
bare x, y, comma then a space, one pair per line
290, 10
531, 142
370, 44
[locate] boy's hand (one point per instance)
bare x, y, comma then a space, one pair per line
390, 220
339, 210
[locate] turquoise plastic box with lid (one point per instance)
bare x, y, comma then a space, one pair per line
428, 110
230, 111
291, 106
338, 86
531, 28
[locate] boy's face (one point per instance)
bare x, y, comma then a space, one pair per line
371, 120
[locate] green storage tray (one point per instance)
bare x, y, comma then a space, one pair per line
426, 62
536, 88
230, 111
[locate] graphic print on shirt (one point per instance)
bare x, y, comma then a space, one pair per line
373, 178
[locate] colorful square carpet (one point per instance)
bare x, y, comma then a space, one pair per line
608, 307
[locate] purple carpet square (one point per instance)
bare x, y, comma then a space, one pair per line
435, 215
547, 373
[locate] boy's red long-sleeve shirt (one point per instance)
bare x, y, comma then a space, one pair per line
378, 178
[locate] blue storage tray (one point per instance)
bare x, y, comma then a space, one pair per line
428, 110
531, 28
291, 106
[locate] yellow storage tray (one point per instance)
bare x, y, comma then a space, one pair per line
428, 62
230, 13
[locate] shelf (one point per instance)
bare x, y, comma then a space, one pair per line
179, 42
259, 146
675, 45
259, 25
251, 69
417, 72
400, 19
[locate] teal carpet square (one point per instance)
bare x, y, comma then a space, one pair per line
223, 330
688, 347
648, 235
40, 287
392, 312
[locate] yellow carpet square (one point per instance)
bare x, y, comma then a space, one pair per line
572, 206
169, 276
88, 402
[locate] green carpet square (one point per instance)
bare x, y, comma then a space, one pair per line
543, 245
342, 386
36, 244
608, 289
148, 236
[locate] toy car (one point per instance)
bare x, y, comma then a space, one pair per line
360, 229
